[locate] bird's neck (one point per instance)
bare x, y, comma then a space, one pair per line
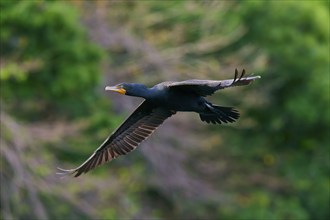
143, 92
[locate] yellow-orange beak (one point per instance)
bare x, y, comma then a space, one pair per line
116, 89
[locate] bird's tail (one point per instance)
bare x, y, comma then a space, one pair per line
219, 114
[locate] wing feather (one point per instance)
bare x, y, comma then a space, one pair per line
208, 87
135, 129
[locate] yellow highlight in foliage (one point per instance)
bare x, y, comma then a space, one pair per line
268, 159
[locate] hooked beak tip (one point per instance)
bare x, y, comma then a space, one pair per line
108, 87
115, 89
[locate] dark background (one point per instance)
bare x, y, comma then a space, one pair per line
57, 57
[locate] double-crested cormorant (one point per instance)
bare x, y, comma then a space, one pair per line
161, 101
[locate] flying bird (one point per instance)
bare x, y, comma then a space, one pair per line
161, 102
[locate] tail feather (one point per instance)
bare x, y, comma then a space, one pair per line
219, 114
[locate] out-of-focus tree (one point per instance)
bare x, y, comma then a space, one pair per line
271, 164
49, 72
46, 59
289, 136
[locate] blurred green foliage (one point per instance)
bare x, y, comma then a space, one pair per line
294, 122
47, 59
275, 160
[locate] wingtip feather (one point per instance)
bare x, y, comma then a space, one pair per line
64, 173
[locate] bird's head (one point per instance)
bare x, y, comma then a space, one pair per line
131, 89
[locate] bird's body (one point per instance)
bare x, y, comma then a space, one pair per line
161, 101
163, 96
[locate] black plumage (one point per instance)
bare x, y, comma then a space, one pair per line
161, 102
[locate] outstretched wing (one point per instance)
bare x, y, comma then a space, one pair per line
135, 129
208, 87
